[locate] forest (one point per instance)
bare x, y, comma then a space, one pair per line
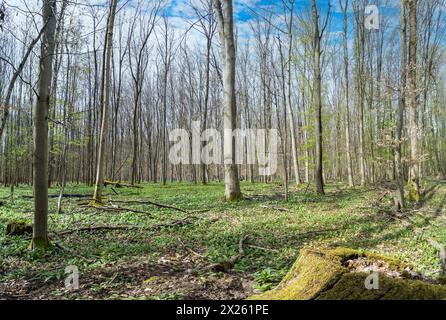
222, 150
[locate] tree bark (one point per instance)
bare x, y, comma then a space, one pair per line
97, 196
414, 184
40, 239
317, 99
399, 198
226, 33
347, 96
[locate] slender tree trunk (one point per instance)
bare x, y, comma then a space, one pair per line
288, 98
414, 184
226, 32
40, 239
97, 196
399, 198
347, 97
317, 99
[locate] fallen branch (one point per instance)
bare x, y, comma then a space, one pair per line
118, 184
229, 264
96, 228
175, 223
275, 208
159, 205
262, 248
114, 209
65, 195
191, 250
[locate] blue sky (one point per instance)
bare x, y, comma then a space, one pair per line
243, 10
182, 15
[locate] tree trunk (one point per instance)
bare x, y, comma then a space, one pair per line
97, 196
317, 99
347, 97
414, 184
399, 197
226, 32
40, 239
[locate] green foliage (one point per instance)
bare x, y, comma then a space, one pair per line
268, 278
345, 217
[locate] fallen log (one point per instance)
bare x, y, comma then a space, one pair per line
345, 274
119, 184
65, 195
175, 223
18, 228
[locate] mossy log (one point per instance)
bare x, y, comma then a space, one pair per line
18, 228
325, 275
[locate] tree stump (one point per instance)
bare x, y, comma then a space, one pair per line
18, 228
346, 274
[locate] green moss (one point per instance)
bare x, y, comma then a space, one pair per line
312, 273
18, 228
40, 245
348, 254
320, 274
413, 194
233, 197
351, 287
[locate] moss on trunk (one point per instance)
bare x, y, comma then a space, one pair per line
40, 244
321, 275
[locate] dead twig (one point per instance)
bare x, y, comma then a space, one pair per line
96, 228
276, 208
230, 263
262, 248
159, 205
114, 209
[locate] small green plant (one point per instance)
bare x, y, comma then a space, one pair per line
268, 278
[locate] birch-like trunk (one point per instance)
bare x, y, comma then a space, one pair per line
414, 184
226, 33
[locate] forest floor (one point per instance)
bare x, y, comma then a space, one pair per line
153, 252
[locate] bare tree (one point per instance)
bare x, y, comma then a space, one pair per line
317, 95
346, 95
414, 184
399, 199
226, 33
40, 239
14, 78
97, 196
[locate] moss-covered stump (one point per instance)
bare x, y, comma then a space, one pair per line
342, 274
18, 228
